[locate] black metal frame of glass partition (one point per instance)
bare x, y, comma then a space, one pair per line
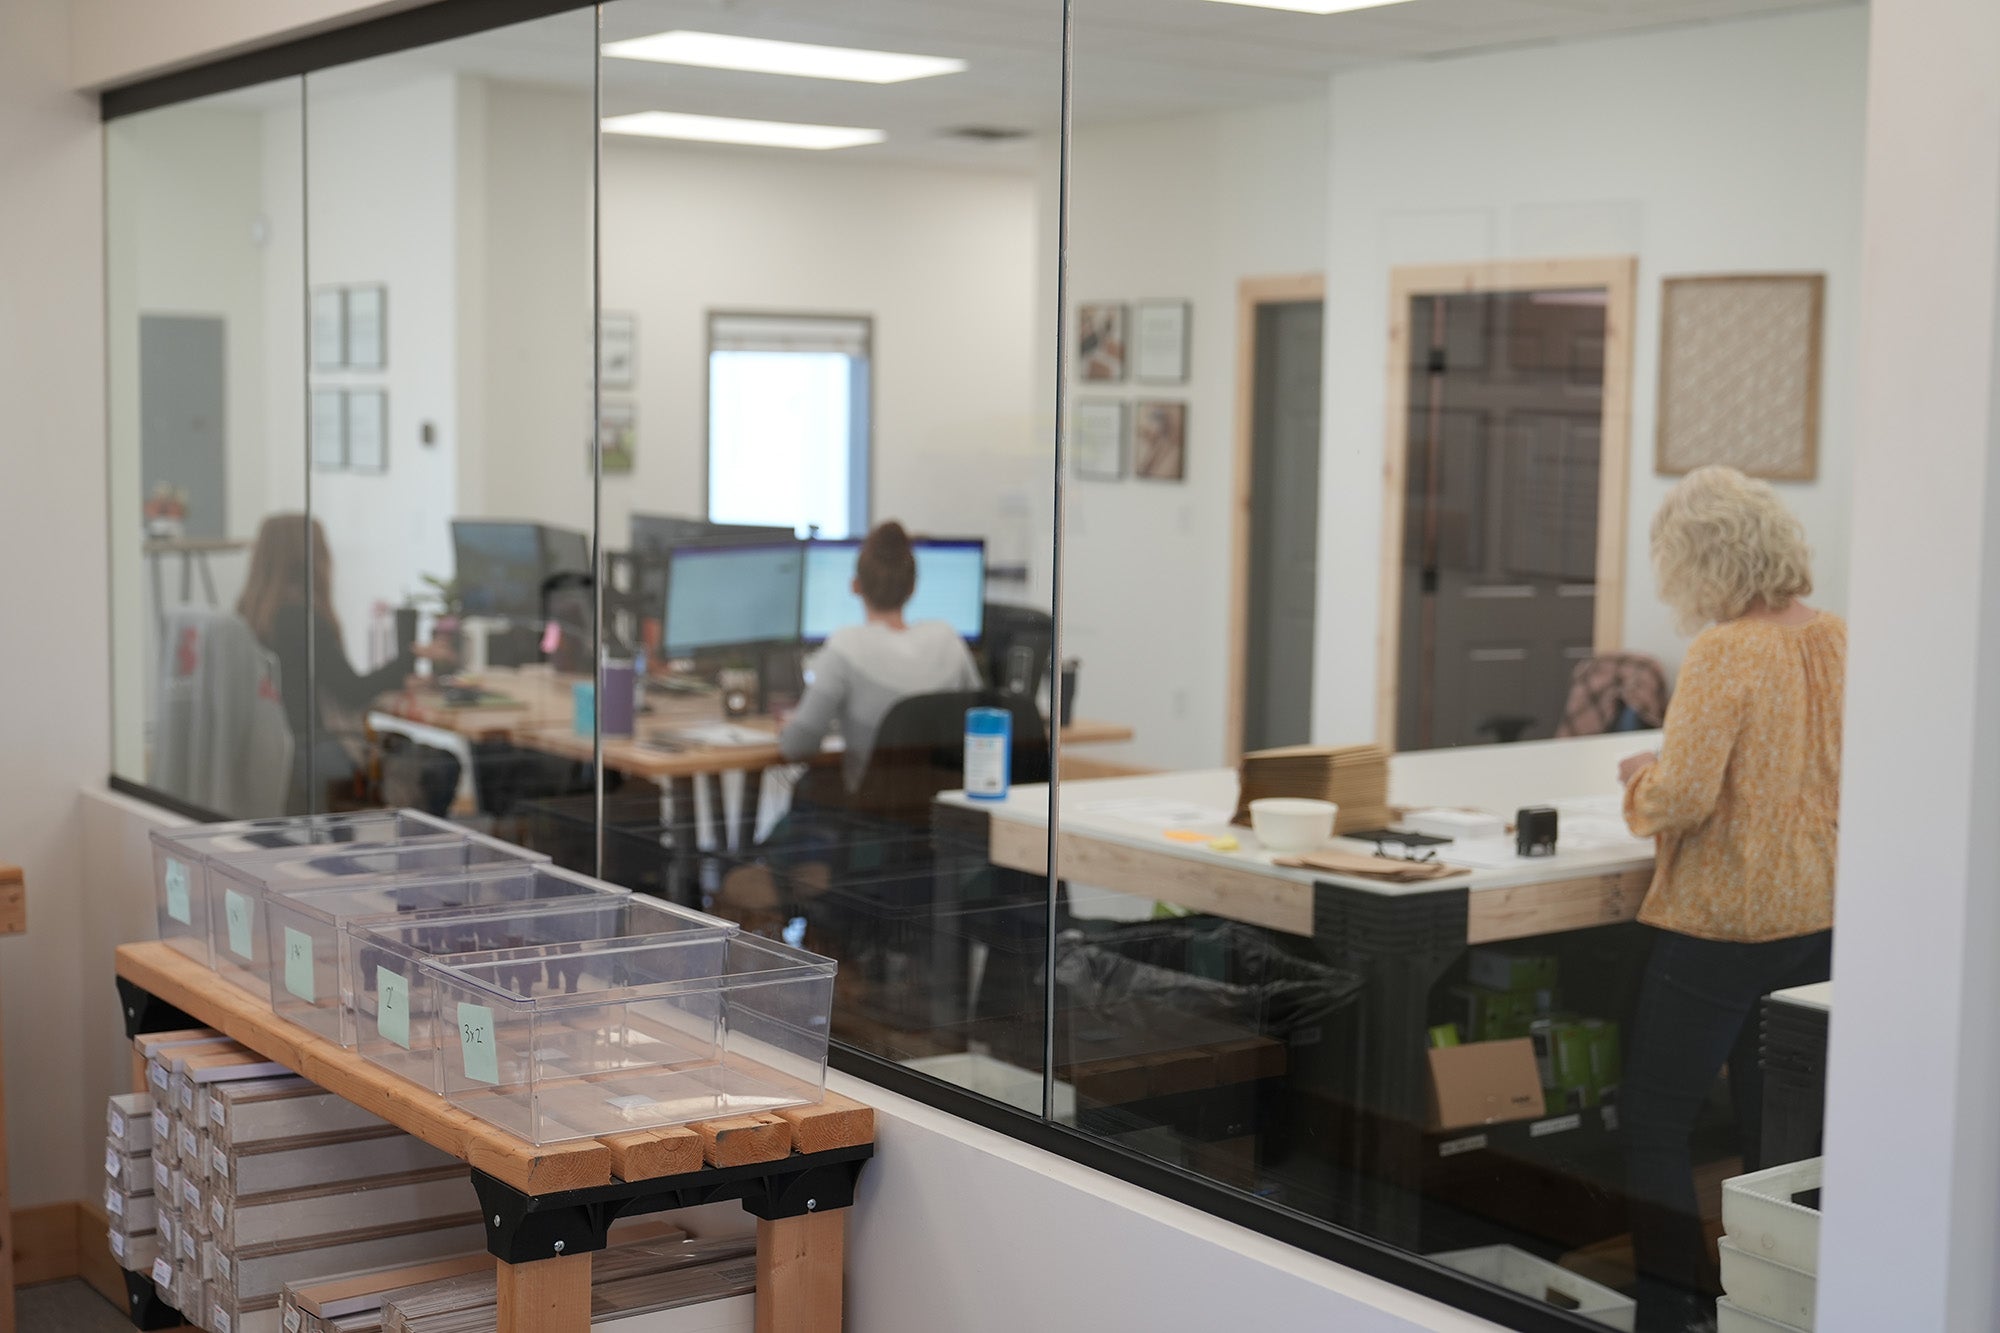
443, 20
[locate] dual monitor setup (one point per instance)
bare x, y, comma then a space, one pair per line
715, 587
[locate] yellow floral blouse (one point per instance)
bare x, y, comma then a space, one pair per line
1745, 799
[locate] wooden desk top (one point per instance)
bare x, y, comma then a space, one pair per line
1113, 837
642, 1155
540, 718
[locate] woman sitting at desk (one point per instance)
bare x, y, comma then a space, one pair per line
326, 719
1743, 797
865, 670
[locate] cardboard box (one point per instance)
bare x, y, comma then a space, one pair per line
1504, 969
1484, 1083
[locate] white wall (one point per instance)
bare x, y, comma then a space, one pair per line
1177, 209
1721, 148
54, 685
944, 261
381, 201
116, 41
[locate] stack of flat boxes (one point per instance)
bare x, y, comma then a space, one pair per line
270, 1179
129, 1201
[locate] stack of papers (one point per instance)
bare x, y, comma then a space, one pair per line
1354, 777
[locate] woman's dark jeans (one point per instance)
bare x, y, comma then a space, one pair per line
1697, 1009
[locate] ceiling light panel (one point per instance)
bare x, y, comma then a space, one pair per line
754, 133
1315, 6
755, 55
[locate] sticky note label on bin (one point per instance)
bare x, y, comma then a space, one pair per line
392, 1007
476, 1045
236, 910
177, 893
299, 964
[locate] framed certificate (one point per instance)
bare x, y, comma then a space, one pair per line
1160, 342
329, 329
1099, 432
368, 430
329, 429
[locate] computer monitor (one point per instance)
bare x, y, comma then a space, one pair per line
499, 567
565, 553
732, 597
655, 537
951, 586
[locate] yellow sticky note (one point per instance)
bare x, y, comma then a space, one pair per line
1184, 835
1226, 843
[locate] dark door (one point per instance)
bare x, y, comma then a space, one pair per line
181, 416
1284, 525
1499, 593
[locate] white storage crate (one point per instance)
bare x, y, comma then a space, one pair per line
1525, 1275
1759, 1214
1733, 1318
1764, 1287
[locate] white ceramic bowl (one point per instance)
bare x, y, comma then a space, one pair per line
1292, 823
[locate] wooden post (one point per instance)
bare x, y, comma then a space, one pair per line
800, 1261
547, 1296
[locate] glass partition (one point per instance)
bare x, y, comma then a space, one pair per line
1289, 436
204, 257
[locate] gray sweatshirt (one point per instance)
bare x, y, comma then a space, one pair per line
862, 672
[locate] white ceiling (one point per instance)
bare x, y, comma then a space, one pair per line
1133, 59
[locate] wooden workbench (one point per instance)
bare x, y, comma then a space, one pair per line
799, 1258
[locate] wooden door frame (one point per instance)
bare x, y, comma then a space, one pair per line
1618, 276
1250, 294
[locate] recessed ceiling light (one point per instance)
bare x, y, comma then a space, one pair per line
714, 50
724, 129
1315, 6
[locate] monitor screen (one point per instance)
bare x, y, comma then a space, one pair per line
499, 568
732, 596
951, 586
567, 552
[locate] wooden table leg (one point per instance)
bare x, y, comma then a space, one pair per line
800, 1263
547, 1296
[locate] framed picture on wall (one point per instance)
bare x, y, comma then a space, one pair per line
1159, 441
618, 350
329, 329
1098, 426
1160, 342
617, 437
329, 429
368, 430
1740, 374
367, 313
1100, 342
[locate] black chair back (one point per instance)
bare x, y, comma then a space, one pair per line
920, 752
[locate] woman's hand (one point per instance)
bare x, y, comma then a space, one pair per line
1632, 766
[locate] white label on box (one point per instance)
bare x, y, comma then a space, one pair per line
221, 1266
163, 1274
113, 1164
292, 1320
218, 1161
191, 1192
218, 1320
476, 1043
392, 1007
215, 1212
299, 964
156, 1074
117, 1125
177, 893
114, 1202
190, 1145
1610, 1114
190, 1245
162, 1178
1453, 1147
238, 910
161, 1126
215, 1110
118, 1245
164, 1224
1562, 1124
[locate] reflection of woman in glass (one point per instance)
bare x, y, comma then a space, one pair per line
326, 720
1743, 797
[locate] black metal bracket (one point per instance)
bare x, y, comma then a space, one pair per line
522, 1228
147, 1012
143, 1303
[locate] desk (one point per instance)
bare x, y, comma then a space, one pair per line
541, 719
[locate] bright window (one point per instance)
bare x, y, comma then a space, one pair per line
788, 422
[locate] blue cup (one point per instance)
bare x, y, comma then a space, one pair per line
583, 708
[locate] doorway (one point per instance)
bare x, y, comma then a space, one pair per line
1504, 526
1279, 332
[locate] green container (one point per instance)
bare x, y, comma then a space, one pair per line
1604, 1057
1572, 1047
1483, 1014
1503, 969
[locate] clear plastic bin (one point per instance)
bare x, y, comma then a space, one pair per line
303, 949
181, 856
576, 1041
391, 999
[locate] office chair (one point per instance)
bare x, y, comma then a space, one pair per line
221, 740
1015, 648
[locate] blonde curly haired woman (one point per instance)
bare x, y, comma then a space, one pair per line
1743, 798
